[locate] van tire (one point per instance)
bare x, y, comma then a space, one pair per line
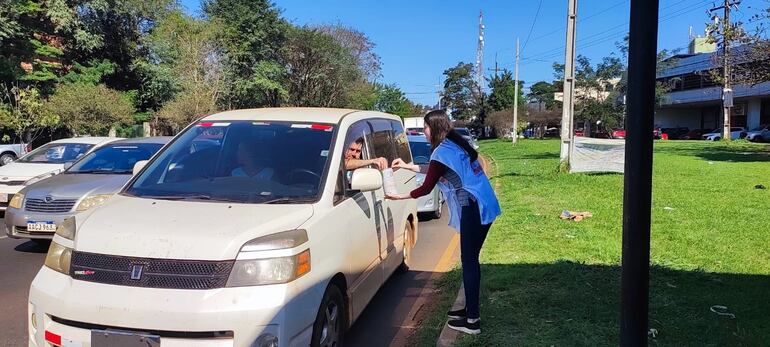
332, 308
404, 267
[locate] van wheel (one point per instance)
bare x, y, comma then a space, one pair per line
329, 326
404, 267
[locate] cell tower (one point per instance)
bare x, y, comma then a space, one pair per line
480, 53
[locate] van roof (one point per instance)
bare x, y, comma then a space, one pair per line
292, 114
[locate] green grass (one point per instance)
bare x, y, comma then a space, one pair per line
547, 282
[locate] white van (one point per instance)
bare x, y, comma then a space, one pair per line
259, 238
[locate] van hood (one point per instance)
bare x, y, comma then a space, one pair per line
75, 186
149, 228
23, 171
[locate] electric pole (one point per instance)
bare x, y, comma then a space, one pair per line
569, 85
515, 132
727, 92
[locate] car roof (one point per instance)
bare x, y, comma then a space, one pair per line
161, 140
416, 138
291, 114
89, 140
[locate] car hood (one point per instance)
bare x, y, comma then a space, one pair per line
24, 171
150, 228
756, 132
74, 186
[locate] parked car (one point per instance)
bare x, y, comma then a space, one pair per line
657, 133
759, 134
415, 131
552, 132
675, 133
84, 185
11, 152
695, 134
468, 137
43, 162
716, 135
432, 203
618, 133
579, 132
261, 241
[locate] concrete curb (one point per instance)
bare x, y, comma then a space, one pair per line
449, 336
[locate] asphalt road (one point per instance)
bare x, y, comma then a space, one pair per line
389, 319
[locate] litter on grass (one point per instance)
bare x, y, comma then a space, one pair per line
576, 216
759, 186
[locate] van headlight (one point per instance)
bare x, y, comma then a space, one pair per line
67, 228
255, 266
59, 258
92, 201
16, 201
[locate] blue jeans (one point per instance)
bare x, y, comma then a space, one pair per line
472, 236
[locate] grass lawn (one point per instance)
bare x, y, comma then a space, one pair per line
549, 282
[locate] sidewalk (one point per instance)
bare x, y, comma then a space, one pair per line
449, 336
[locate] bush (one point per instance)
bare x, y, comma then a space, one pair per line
87, 109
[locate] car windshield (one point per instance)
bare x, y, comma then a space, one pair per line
56, 153
463, 131
114, 159
241, 162
420, 152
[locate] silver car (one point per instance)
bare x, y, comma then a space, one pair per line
86, 184
432, 203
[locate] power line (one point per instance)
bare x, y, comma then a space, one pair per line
537, 13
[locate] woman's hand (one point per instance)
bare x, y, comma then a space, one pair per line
400, 164
398, 196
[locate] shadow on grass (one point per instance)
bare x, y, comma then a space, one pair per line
572, 304
738, 152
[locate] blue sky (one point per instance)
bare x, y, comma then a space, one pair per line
418, 39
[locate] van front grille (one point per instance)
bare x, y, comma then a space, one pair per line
150, 272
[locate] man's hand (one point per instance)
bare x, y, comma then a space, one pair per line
381, 163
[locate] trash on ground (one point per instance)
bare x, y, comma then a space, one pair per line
759, 186
669, 208
722, 311
576, 216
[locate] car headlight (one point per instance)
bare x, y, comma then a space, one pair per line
39, 178
254, 267
59, 258
92, 201
67, 228
16, 201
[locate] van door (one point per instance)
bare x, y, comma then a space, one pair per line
360, 222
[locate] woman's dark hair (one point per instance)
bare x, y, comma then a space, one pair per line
441, 128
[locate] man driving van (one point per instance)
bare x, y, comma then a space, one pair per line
247, 160
353, 157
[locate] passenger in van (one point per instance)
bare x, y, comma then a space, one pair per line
353, 157
247, 154
473, 206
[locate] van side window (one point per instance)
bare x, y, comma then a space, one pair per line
402, 142
383, 139
357, 148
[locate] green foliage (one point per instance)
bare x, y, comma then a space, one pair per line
504, 91
21, 110
462, 94
92, 74
542, 93
87, 109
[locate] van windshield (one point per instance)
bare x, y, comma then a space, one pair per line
241, 162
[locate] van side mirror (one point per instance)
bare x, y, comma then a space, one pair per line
139, 166
68, 165
366, 179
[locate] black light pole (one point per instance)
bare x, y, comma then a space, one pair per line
637, 197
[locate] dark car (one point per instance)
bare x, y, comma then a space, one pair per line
675, 133
694, 134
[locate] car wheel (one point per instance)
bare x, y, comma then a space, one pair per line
329, 325
7, 158
437, 213
404, 267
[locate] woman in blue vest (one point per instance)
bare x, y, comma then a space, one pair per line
473, 206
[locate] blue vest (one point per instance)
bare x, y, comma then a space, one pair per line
474, 181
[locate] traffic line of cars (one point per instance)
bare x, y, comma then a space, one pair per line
246, 229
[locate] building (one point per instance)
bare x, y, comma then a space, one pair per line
695, 99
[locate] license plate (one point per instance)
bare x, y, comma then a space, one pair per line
114, 338
3, 197
41, 226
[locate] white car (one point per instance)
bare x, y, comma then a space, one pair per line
265, 239
759, 134
43, 162
432, 203
716, 135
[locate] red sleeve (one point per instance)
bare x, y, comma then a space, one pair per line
435, 171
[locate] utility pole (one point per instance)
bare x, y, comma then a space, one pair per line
569, 85
727, 92
515, 132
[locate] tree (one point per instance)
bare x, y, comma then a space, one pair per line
104, 108
390, 99
251, 35
462, 94
20, 112
359, 46
542, 93
503, 88
320, 71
